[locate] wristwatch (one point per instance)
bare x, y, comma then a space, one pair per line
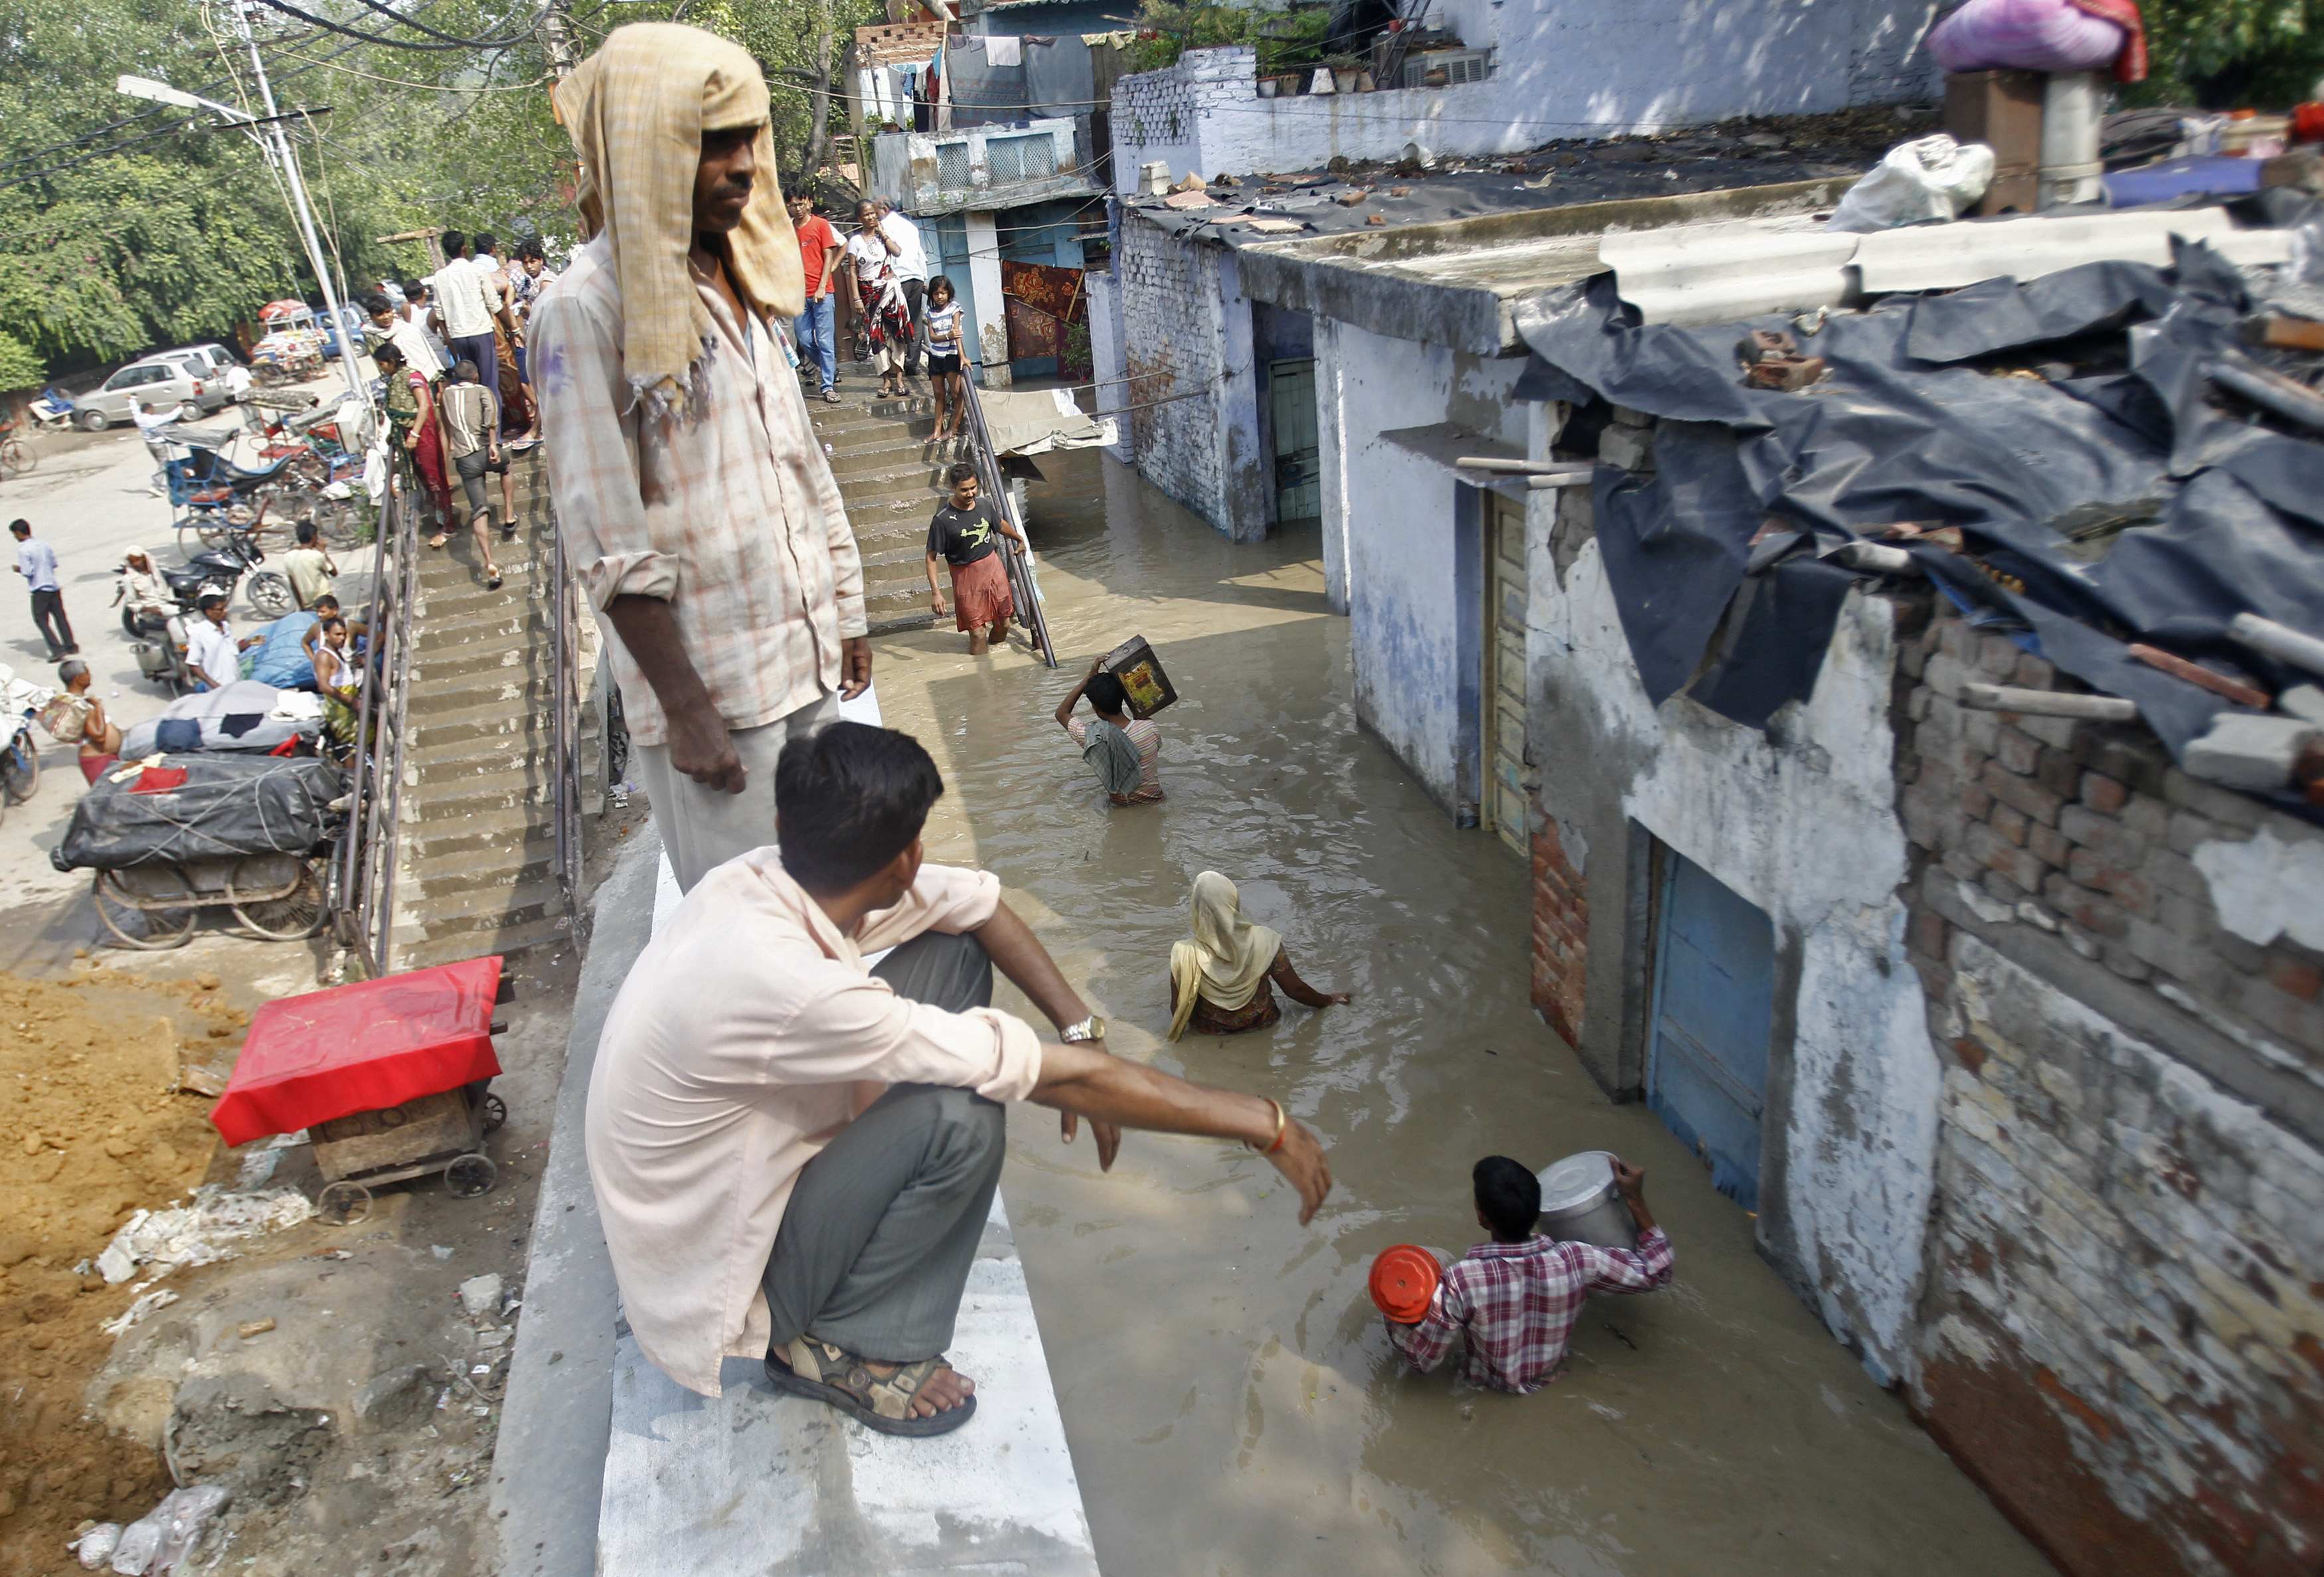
1090, 1029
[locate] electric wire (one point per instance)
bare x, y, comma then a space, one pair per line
312, 19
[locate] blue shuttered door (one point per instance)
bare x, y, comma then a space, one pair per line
1714, 998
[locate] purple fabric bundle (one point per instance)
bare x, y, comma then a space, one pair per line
2024, 35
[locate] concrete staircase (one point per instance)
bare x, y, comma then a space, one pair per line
477, 871
891, 471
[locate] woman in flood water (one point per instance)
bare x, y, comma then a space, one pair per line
1219, 976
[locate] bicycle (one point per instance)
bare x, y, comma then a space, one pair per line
15, 458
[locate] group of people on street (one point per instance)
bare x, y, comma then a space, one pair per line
454, 360
794, 1152
879, 271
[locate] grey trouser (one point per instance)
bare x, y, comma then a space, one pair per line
882, 1226
702, 827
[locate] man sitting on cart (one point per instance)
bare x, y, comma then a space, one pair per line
794, 1155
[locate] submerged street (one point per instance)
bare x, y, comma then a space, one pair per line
1228, 1390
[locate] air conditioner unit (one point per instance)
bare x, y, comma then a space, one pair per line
1459, 66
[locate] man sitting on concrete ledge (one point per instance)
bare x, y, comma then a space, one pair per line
794, 1155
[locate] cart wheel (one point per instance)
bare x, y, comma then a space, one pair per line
150, 923
293, 917
470, 1176
341, 1204
495, 1113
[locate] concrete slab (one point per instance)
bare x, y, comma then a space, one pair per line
756, 1482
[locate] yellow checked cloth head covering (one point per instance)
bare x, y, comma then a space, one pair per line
637, 110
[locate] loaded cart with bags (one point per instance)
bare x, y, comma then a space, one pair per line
389, 1077
173, 834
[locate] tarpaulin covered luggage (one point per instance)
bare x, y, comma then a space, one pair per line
362, 1047
229, 806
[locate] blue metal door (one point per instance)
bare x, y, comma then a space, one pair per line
1714, 997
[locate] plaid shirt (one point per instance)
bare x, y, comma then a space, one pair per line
1518, 1301
729, 514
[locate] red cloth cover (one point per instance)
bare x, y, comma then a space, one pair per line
361, 1048
2130, 65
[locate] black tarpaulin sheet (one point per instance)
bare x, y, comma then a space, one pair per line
227, 806
2133, 503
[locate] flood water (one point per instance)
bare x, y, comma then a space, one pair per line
1230, 1398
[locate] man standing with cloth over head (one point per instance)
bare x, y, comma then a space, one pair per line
699, 505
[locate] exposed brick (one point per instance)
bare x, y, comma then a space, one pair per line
2299, 977
2299, 1022
2135, 757
1926, 932
1991, 852
2034, 672
2002, 886
2058, 772
2019, 752
2105, 795
1975, 801
2062, 732
1954, 639
2092, 911
2221, 805
1958, 864
2049, 845
2147, 817
2125, 963
2189, 831
2101, 835
1996, 656
2022, 794
2010, 824
2127, 886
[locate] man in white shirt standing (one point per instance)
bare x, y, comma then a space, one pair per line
465, 304
695, 498
911, 264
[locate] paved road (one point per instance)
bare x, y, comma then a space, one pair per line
90, 498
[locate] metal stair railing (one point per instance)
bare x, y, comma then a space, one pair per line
368, 853
995, 487
565, 722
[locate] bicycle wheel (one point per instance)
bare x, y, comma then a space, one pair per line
334, 521
20, 770
15, 459
294, 917
152, 924
269, 593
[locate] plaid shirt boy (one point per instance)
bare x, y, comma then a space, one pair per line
1518, 1301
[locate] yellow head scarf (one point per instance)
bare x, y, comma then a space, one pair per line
637, 110
1228, 958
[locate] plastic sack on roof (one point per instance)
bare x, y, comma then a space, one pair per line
1927, 178
2024, 35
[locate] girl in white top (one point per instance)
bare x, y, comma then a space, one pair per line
941, 322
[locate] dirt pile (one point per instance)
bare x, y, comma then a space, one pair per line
92, 1127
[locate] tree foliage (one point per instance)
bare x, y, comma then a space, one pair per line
2225, 54
117, 239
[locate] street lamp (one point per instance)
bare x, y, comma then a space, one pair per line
279, 153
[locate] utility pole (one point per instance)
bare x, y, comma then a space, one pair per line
557, 41
289, 163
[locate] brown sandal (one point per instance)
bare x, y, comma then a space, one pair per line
824, 1373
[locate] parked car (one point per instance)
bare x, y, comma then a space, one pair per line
352, 317
214, 358
156, 381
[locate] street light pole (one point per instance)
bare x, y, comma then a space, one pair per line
297, 186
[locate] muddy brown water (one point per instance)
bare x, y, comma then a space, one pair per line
1229, 1393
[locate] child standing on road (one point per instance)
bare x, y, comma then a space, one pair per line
471, 417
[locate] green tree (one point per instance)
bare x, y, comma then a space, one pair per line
2228, 53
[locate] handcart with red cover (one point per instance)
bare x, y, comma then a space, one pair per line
388, 1076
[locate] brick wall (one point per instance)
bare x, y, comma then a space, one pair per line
1561, 933
1169, 292
2123, 1330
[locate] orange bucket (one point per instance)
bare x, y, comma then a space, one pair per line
1404, 1280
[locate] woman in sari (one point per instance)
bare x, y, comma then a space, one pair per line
887, 315
412, 420
1219, 976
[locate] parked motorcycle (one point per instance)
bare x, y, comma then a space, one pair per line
20, 701
222, 566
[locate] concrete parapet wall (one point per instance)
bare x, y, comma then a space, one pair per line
1561, 69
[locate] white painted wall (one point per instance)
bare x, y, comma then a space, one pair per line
1801, 822
1107, 366
1563, 69
1389, 530
991, 309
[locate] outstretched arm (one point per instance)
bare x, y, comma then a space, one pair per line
1104, 1088
1298, 990
1019, 954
